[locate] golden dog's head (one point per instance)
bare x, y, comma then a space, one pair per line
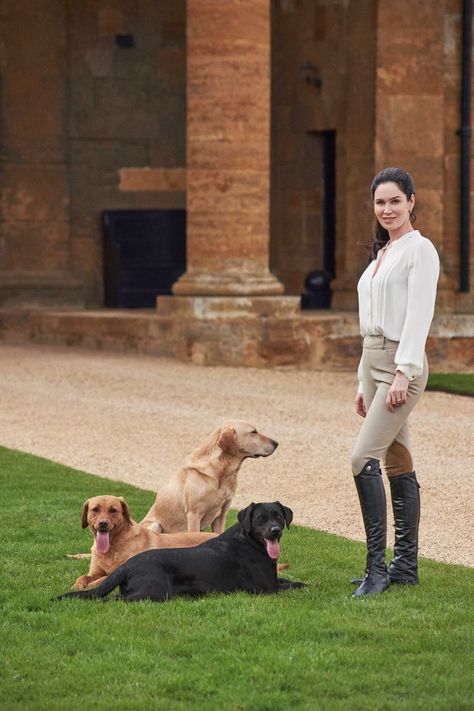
105, 516
241, 439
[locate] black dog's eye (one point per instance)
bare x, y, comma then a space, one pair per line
261, 518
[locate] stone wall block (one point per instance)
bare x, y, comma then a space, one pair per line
32, 135
34, 193
36, 246
410, 124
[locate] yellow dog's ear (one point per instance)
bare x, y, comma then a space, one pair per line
125, 510
85, 511
227, 441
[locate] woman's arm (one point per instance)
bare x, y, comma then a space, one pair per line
423, 273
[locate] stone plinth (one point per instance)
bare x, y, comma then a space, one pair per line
208, 332
217, 307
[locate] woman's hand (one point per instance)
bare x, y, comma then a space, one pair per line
397, 395
359, 405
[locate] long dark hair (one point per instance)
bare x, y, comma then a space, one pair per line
405, 184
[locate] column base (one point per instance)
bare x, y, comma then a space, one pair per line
228, 283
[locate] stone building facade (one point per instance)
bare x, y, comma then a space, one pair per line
265, 119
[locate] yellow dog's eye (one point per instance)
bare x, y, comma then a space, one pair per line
112, 510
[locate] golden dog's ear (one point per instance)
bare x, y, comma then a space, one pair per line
227, 441
85, 511
125, 510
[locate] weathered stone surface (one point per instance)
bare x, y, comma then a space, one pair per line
30, 290
152, 179
244, 337
228, 308
77, 109
35, 246
34, 192
228, 152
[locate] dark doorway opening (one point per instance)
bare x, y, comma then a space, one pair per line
144, 254
303, 205
329, 202
317, 283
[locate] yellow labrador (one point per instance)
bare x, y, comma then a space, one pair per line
117, 537
199, 494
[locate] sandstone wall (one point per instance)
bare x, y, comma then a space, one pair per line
78, 112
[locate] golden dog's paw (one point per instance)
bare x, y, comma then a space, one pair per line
81, 583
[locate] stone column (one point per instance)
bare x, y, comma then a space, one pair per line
228, 149
410, 111
34, 242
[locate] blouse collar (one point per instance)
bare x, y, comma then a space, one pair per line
404, 238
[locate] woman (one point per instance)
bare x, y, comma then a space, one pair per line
397, 295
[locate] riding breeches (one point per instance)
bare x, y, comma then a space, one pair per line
384, 434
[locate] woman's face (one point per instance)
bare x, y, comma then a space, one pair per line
392, 208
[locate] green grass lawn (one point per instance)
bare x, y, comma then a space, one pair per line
411, 648
455, 383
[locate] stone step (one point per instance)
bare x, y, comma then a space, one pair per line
232, 334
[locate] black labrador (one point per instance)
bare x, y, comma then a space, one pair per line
242, 558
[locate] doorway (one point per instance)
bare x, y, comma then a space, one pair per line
303, 218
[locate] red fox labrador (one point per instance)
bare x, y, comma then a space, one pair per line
117, 537
199, 494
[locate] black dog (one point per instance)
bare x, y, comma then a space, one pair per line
242, 558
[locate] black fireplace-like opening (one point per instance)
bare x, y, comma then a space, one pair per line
144, 254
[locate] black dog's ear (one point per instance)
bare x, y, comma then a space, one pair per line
287, 513
244, 517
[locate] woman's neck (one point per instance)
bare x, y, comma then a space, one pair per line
400, 232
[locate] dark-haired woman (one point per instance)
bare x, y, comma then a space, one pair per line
397, 295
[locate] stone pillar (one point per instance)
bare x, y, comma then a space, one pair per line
34, 240
228, 150
410, 111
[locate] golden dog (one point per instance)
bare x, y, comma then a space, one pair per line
117, 538
199, 494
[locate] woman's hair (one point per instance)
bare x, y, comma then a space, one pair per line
405, 183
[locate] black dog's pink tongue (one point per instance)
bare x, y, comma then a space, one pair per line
273, 548
102, 541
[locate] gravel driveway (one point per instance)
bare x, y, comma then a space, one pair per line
134, 418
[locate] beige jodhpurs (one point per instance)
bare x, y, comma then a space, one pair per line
384, 434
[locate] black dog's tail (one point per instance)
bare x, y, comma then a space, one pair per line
102, 590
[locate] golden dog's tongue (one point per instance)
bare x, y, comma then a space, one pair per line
102, 541
273, 548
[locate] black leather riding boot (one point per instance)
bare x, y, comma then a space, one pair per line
374, 512
405, 492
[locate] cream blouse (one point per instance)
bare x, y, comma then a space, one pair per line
398, 301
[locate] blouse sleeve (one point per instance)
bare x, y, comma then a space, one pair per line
423, 273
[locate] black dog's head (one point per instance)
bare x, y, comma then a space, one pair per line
265, 523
